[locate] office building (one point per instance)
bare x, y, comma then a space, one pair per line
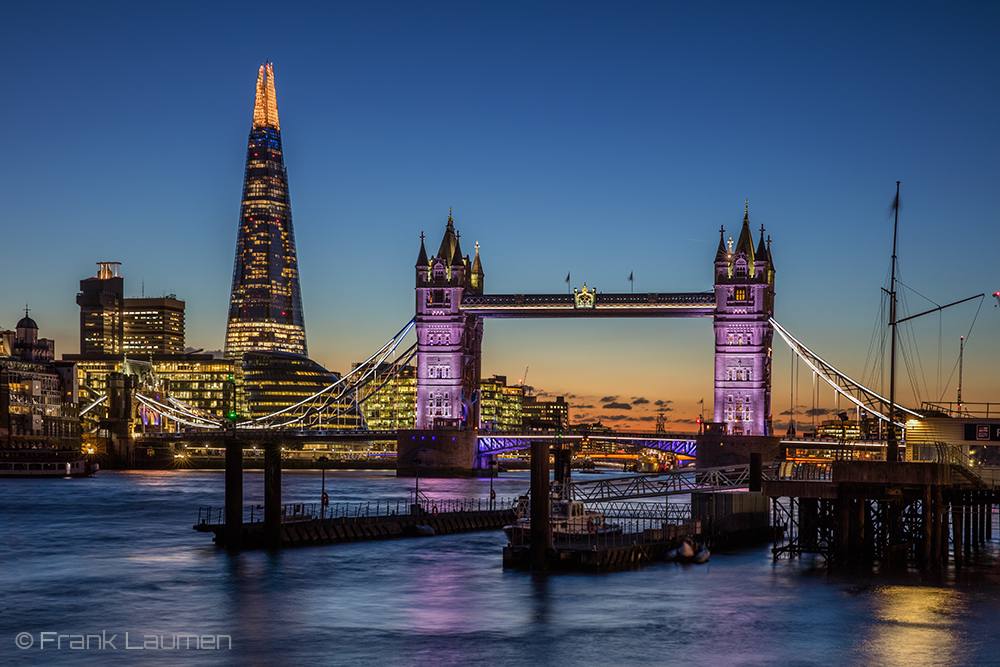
265, 306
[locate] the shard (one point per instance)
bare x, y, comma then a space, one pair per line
265, 308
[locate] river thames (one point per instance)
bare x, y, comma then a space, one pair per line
116, 554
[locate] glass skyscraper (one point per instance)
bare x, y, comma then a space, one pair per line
265, 309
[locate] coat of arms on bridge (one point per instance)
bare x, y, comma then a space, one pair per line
583, 298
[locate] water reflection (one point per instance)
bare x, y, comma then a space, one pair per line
916, 626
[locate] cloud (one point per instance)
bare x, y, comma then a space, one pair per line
581, 407
818, 412
617, 406
616, 418
648, 418
640, 401
662, 403
608, 399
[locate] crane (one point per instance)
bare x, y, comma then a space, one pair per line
525, 378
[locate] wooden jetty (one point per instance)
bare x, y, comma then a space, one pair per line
880, 512
306, 529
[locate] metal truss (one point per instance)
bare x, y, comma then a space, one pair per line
667, 512
494, 444
855, 392
673, 482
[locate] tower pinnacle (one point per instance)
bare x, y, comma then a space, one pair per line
265, 107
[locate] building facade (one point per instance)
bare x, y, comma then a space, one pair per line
391, 404
265, 306
744, 293
153, 326
501, 406
114, 325
101, 301
279, 380
38, 396
449, 342
544, 414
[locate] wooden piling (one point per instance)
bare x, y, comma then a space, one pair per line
541, 529
927, 521
234, 494
272, 495
957, 523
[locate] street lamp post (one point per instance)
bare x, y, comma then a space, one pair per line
493, 495
324, 499
416, 491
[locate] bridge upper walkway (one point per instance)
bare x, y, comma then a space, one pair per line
598, 304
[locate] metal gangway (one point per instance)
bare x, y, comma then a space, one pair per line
671, 482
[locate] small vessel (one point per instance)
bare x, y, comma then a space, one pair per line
570, 519
587, 466
689, 551
647, 463
35, 468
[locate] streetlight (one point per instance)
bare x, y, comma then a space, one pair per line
416, 492
325, 499
493, 495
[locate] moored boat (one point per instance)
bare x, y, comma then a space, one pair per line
42, 468
569, 519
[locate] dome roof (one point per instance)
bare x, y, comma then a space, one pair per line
26, 323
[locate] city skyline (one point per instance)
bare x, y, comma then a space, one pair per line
569, 139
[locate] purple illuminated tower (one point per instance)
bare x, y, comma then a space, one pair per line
744, 295
449, 342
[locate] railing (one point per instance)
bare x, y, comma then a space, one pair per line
292, 512
807, 472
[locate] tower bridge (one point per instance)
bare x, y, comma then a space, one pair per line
450, 310
451, 306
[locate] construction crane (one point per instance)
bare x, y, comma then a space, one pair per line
525, 379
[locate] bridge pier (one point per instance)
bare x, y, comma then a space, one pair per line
272, 495
441, 452
234, 494
541, 529
717, 449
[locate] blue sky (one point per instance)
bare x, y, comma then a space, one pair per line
592, 138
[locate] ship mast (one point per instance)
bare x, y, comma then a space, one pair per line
892, 447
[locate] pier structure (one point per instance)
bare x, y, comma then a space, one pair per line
890, 514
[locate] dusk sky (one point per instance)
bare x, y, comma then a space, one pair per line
597, 139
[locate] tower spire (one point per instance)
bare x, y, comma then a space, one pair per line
265, 106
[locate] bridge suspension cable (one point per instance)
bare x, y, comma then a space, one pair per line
313, 409
854, 391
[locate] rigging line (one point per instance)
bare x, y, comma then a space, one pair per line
877, 342
915, 366
954, 368
900, 282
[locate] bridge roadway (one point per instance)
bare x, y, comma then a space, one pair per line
488, 442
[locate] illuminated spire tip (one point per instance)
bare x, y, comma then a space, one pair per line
265, 107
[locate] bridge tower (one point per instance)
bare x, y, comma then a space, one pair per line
449, 342
744, 296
